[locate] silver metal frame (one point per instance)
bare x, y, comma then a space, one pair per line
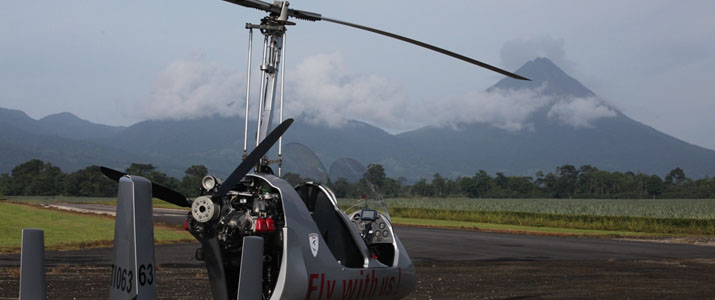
274, 42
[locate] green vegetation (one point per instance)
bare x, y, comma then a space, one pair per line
585, 222
65, 230
609, 201
655, 216
650, 208
37, 178
586, 182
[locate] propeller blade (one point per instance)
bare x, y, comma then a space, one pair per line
214, 266
111, 173
157, 190
428, 46
253, 158
169, 195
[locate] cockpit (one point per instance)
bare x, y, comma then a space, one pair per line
358, 237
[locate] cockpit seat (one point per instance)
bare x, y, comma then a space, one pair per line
330, 224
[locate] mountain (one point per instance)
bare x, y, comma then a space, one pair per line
544, 75
70, 126
567, 124
24, 138
612, 142
64, 125
347, 168
217, 142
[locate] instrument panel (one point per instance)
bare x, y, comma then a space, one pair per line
372, 226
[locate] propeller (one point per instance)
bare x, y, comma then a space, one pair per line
157, 190
209, 241
214, 264
174, 197
275, 9
253, 158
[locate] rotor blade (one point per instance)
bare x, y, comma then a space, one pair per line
214, 266
428, 46
276, 9
253, 158
157, 190
260, 5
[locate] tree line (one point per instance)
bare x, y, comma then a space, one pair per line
38, 178
566, 181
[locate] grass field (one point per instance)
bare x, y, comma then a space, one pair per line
650, 208
65, 230
583, 222
643, 216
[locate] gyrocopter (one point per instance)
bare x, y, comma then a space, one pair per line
261, 237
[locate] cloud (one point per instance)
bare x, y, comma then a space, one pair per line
516, 53
580, 112
194, 88
322, 90
509, 110
514, 110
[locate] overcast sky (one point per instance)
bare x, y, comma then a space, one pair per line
119, 62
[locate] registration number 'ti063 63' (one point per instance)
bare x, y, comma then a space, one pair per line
123, 278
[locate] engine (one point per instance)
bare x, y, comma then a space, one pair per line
252, 208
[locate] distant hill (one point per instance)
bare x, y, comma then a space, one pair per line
614, 142
24, 138
64, 125
217, 142
347, 168
611, 143
70, 126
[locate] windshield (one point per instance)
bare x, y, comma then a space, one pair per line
369, 197
301, 161
355, 186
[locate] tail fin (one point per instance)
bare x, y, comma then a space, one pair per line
133, 267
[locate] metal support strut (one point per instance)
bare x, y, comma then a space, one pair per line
273, 30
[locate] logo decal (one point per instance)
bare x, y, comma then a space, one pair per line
314, 242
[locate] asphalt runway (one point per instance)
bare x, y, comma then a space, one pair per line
430, 244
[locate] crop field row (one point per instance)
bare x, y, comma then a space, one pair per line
648, 208
583, 222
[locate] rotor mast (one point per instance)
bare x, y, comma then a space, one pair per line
273, 29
